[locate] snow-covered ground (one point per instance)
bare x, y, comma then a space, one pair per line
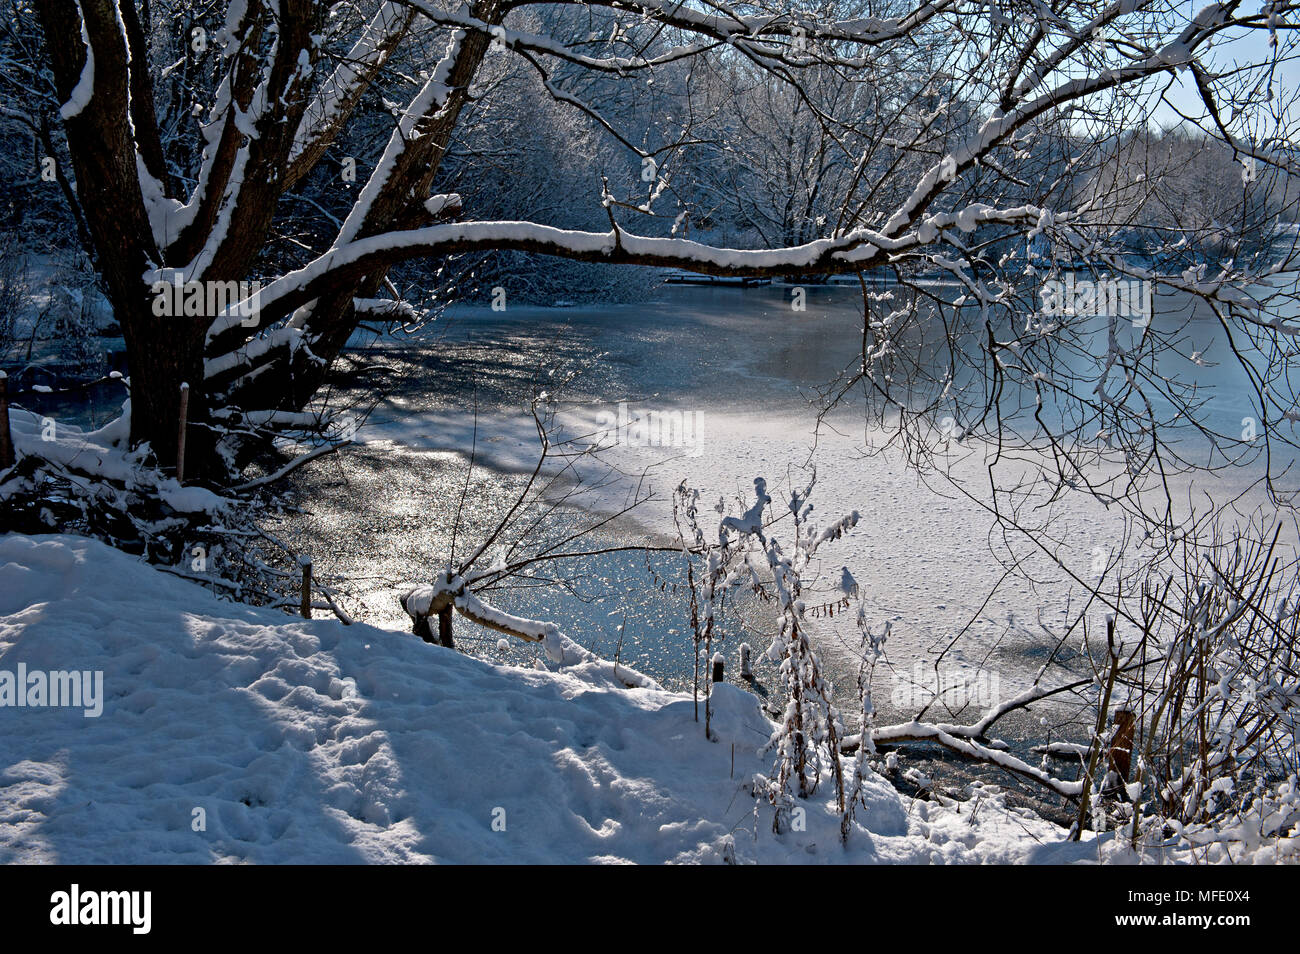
315, 742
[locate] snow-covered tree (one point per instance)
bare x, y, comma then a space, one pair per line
192, 133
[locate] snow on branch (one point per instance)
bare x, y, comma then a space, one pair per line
338, 95
451, 591
427, 101
385, 308
85, 88
96, 457
739, 30
926, 732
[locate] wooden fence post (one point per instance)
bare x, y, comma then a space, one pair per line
306, 587
1121, 744
180, 434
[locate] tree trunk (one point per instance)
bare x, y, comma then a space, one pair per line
162, 354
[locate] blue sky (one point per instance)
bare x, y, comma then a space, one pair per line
1247, 46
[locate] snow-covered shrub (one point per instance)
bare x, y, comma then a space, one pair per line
807, 741
873, 647
89, 482
807, 738
704, 589
1208, 670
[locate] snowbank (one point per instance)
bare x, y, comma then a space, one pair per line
314, 742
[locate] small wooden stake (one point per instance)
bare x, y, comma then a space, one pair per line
306, 588
1121, 744
746, 670
6, 441
180, 434
718, 666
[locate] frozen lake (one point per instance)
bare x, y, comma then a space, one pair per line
747, 368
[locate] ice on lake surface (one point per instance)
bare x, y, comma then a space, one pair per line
748, 368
